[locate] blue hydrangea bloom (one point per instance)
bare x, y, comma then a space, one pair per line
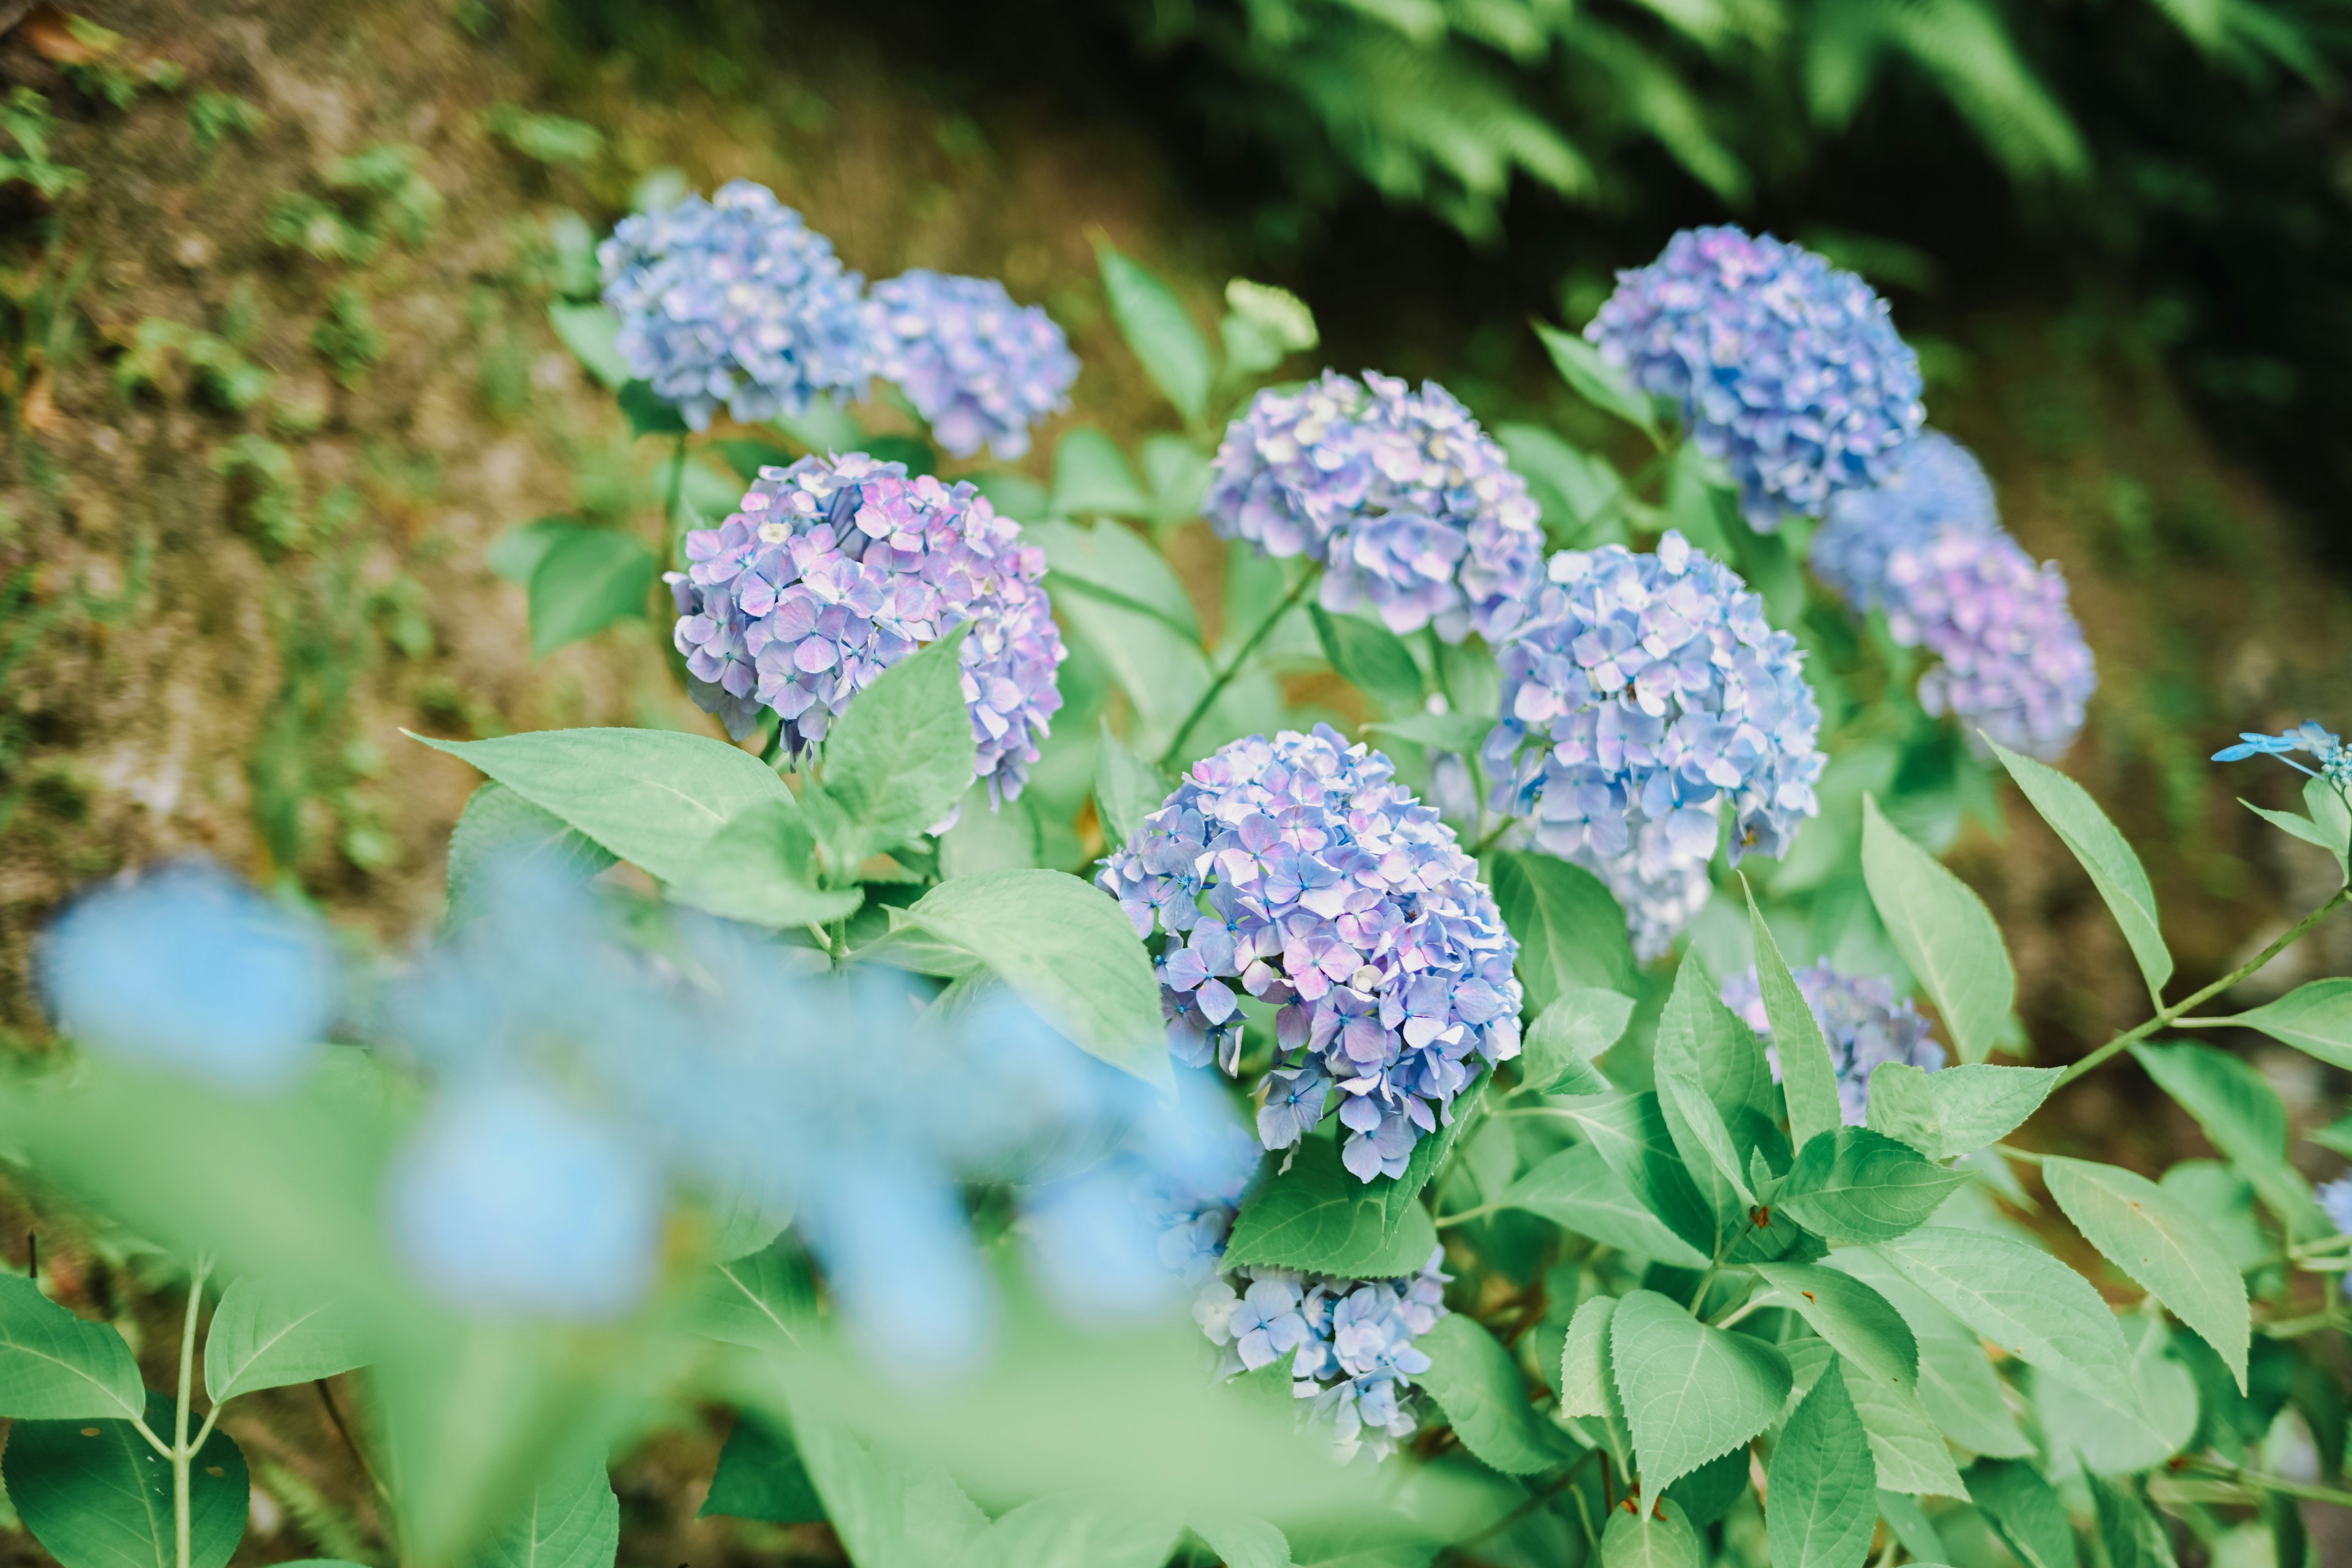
735, 301
1643, 695
980, 369
835, 569
1410, 508
1787, 370
185, 967
2013, 662
1932, 484
1864, 1023
2335, 1201
2323, 746
1299, 870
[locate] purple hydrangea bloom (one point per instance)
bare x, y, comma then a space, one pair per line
835, 569
2014, 663
735, 300
1410, 508
1643, 693
979, 368
1299, 870
2335, 1201
2325, 746
1860, 1018
1931, 484
1787, 370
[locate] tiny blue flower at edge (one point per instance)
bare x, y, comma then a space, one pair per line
2335, 758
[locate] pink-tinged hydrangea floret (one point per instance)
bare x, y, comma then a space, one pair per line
1932, 484
980, 369
1786, 369
1410, 508
834, 570
1299, 871
1865, 1026
735, 301
1644, 696
2014, 660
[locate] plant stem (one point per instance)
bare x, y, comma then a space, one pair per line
327, 1397
1481, 1212
1478, 850
2280, 1484
1224, 677
2172, 1014
182, 1451
677, 485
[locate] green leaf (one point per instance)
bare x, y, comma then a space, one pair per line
1857, 1186
747, 458
1690, 1391
1075, 1529
1906, 1451
1709, 1069
514, 555
649, 412
592, 333
890, 1509
1572, 485
266, 1335
2127, 1529
96, 1494
1479, 1386
1631, 1134
2244, 1117
1439, 732
1160, 331
1127, 789
1368, 656
1571, 933
2302, 827
1178, 474
2021, 1298
1317, 1217
1068, 949
586, 579
1113, 563
903, 752
1942, 930
1587, 1387
2115, 869
2135, 1425
1659, 1537
1823, 1489
1967, 1399
761, 1301
57, 1367
2026, 1511
1596, 381
1576, 1190
992, 835
653, 797
1862, 1324
1957, 1110
1241, 1540
1162, 671
1092, 478
1808, 1076
762, 868
500, 834
761, 1476
572, 1519
2164, 1248
2316, 1018
2331, 814
1910, 1526
1578, 1026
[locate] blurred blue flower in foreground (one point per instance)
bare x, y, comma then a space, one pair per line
1932, 484
1787, 370
2323, 746
185, 967
1299, 868
1865, 1026
735, 300
1409, 506
979, 368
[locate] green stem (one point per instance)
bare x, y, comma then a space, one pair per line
1224, 677
2025, 1157
677, 485
1481, 1212
1478, 850
1753, 1304
2280, 1484
182, 1451
2172, 1014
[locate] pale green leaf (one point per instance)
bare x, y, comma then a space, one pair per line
1906, 1451
891, 1508
1967, 1399
1690, 1391
762, 1301
2026, 1510
1707, 1066
1127, 789
1571, 933
1113, 561
1160, 331
571, 1520
2115, 869
2245, 1120
1808, 1076
1942, 930
1368, 656
1586, 1388
2316, 1018
1479, 1386
1861, 1323
1318, 1217
593, 334
1577, 1189
1855, 1185
1957, 1110
1596, 381
267, 1335
2128, 1528
1822, 1483
501, 835
2137, 1424
1568, 1035
2165, 1248
761, 867
901, 755
2019, 1297
1631, 1134
1075, 1529
1091, 477
586, 579
1242, 1540
1656, 1537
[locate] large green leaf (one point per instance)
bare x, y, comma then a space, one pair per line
1577, 1189
1824, 1489
266, 1335
653, 797
890, 1509
1942, 930
1368, 656
1808, 1076
2026, 1510
1631, 1134
1067, 949
586, 579
1709, 1069
761, 867
1578, 1026
1855, 1185
1690, 1391
1862, 1324
2115, 869
1092, 477
1571, 931
761, 1476
2019, 1297
501, 835
1596, 381
2315, 1017
2245, 1119
571, 1520
1128, 789
96, 1494
1659, 1536
593, 334
1160, 331
1967, 1399
1114, 563
1957, 1110
2166, 1250
900, 755
2133, 1426
1476, 1384
1905, 1449
1075, 1529
762, 1301
55, 1366
1317, 1217
1241, 1540
2128, 1528
1587, 1386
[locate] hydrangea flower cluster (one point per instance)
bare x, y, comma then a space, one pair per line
1643, 693
735, 300
2323, 746
838, 568
1931, 485
979, 368
1865, 1026
2014, 660
1787, 370
1299, 870
1406, 503
2335, 1201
